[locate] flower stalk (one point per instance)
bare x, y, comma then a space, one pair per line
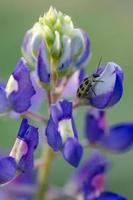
47, 152
43, 172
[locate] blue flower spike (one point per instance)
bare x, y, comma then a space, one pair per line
17, 94
20, 158
62, 134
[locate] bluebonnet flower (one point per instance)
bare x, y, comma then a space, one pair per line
20, 158
62, 134
54, 37
89, 180
17, 94
107, 88
36, 100
117, 138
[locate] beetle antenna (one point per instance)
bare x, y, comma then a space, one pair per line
99, 63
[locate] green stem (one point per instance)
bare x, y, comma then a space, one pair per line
35, 116
47, 152
44, 172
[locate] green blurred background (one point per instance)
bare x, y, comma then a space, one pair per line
109, 24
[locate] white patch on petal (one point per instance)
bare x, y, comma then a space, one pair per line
11, 86
65, 129
107, 78
19, 149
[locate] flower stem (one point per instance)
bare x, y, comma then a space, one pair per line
44, 172
35, 116
47, 153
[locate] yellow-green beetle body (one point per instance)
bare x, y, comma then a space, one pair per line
87, 86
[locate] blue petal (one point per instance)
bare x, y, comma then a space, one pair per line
4, 104
29, 134
110, 196
101, 101
40, 95
28, 178
43, 67
61, 110
109, 89
94, 125
21, 99
117, 92
23, 128
74, 81
8, 169
26, 162
86, 50
66, 107
94, 165
74, 128
119, 138
72, 151
84, 177
53, 136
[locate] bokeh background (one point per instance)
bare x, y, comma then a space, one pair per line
109, 24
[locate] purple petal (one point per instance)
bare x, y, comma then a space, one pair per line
72, 151
43, 66
28, 178
89, 179
110, 196
117, 92
119, 138
94, 165
95, 125
110, 88
23, 128
86, 50
26, 163
73, 84
75, 132
39, 96
61, 110
4, 104
53, 136
31, 138
21, 99
8, 169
